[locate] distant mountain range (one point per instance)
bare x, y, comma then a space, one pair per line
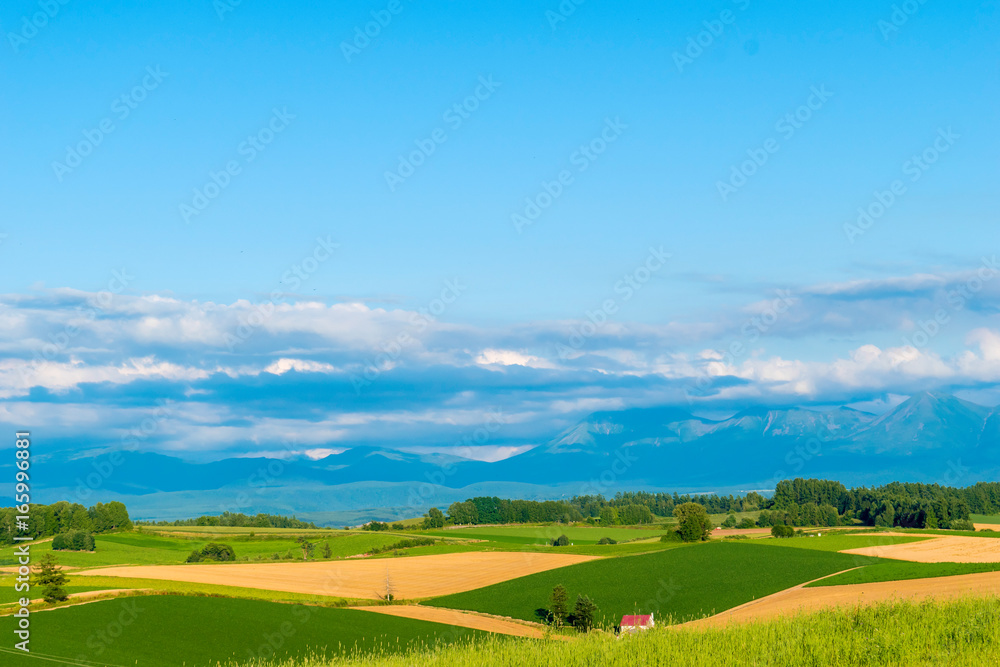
931, 437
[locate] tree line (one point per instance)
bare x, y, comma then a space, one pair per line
63, 517
239, 520
797, 502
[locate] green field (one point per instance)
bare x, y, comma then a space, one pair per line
238, 530
962, 633
578, 535
985, 518
169, 631
137, 548
9, 596
840, 542
684, 583
79, 584
898, 570
609, 550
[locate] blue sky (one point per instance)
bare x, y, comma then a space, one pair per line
308, 129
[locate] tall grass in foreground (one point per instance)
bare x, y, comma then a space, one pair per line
963, 632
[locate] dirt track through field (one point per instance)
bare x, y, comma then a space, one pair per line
805, 600
948, 549
408, 578
463, 619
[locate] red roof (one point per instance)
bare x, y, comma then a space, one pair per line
629, 621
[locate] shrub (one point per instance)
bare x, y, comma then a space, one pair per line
693, 523
583, 613
398, 526
672, 536
560, 600
74, 540
51, 579
213, 551
404, 544
782, 531
959, 524
607, 540
747, 523
561, 541
375, 525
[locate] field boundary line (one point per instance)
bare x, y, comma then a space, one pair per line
494, 623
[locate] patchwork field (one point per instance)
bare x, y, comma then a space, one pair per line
578, 535
799, 599
153, 549
937, 550
900, 570
407, 578
684, 583
476, 581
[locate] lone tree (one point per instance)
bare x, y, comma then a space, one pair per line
561, 541
782, 531
52, 579
434, 518
560, 604
693, 523
306, 546
327, 552
583, 613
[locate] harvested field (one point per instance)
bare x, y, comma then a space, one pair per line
804, 600
726, 532
408, 578
938, 550
463, 619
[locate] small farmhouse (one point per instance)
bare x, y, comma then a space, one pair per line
633, 624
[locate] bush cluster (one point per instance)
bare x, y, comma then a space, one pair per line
213, 551
782, 531
73, 540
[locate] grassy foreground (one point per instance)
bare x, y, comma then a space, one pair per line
960, 633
